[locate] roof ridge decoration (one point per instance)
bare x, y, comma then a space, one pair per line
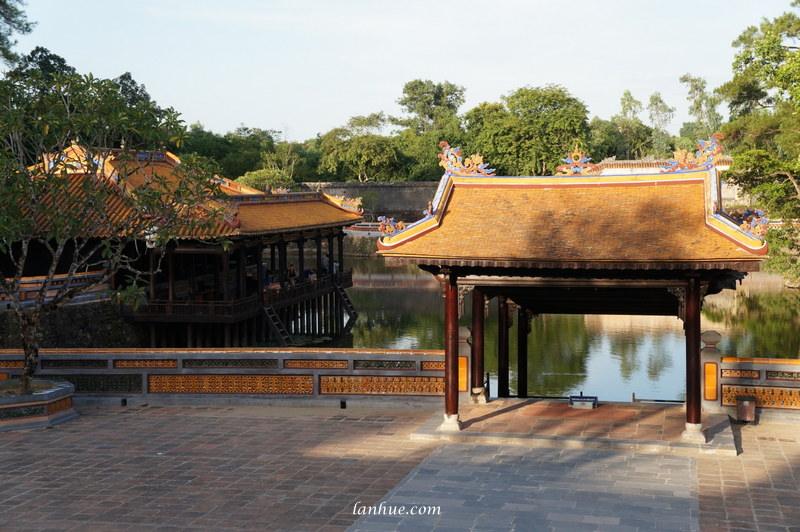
709, 153
454, 165
577, 164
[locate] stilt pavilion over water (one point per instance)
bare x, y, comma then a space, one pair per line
576, 243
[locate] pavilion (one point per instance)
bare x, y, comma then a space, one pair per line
226, 285
576, 243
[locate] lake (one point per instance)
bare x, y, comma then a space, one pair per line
611, 357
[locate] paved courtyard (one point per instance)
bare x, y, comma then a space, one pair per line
261, 468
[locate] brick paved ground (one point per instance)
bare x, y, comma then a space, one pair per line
757, 490
257, 468
184, 468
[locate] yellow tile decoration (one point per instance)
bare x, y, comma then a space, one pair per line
165, 363
765, 397
741, 374
463, 374
12, 364
710, 382
377, 385
61, 404
235, 384
433, 366
315, 364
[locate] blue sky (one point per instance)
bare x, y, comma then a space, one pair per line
303, 67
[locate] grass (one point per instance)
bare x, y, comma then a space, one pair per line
11, 387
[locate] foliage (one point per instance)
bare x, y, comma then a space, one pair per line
237, 152
266, 178
635, 136
534, 130
429, 104
12, 20
356, 153
53, 221
702, 106
660, 115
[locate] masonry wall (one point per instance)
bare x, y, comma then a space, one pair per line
406, 199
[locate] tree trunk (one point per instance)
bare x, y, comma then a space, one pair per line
30, 345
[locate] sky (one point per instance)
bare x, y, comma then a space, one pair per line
304, 67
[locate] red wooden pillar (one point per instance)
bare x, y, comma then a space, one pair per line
451, 421
502, 347
478, 302
691, 325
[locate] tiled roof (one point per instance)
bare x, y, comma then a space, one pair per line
656, 219
310, 211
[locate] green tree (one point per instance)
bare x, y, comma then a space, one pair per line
429, 103
266, 178
636, 136
536, 129
12, 20
43, 62
356, 153
702, 106
660, 116
605, 140
55, 223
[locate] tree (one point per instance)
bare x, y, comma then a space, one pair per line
702, 106
536, 129
12, 20
266, 178
56, 197
660, 116
355, 153
605, 140
635, 135
43, 62
429, 103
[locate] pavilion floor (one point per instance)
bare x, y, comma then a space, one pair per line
642, 427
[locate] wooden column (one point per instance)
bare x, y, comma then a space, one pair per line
152, 287
692, 327
226, 294
260, 271
330, 255
318, 241
522, 353
170, 276
502, 347
451, 354
478, 302
340, 242
282, 262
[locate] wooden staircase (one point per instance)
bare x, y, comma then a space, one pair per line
277, 326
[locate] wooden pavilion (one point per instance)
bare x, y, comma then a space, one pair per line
576, 243
231, 284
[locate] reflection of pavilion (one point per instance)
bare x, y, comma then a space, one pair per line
649, 244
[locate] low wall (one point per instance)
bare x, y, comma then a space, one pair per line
406, 199
773, 382
246, 376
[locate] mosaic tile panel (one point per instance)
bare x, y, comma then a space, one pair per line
783, 375
12, 364
231, 363
374, 385
22, 411
384, 364
315, 364
127, 364
75, 363
103, 383
741, 374
765, 397
433, 366
233, 384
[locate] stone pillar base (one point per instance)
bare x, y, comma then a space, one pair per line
451, 423
694, 433
479, 396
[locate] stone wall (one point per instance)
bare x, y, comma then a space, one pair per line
404, 200
82, 325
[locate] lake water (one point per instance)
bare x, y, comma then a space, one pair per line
611, 357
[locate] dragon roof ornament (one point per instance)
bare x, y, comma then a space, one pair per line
454, 165
708, 154
577, 164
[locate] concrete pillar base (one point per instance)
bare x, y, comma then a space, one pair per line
451, 423
479, 396
694, 433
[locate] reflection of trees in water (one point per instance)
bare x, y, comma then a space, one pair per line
761, 324
658, 359
412, 319
624, 348
558, 348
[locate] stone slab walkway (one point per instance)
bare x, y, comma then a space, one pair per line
514, 488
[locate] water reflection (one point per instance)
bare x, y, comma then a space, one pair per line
608, 356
